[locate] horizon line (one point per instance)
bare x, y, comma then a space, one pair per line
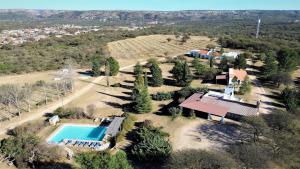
150, 10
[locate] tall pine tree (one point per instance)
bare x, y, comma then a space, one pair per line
141, 97
157, 79
182, 74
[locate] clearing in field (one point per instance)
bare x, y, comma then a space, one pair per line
129, 51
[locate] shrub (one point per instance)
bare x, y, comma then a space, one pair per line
71, 113
175, 112
95, 160
163, 96
150, 145
113, 66
116, 85
193, 159
28, 128
127, 125
91, 109
188, 91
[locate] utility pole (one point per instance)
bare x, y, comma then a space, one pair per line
257, 28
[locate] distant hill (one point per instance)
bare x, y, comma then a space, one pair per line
142, 16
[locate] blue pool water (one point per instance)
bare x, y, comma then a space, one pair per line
79, 133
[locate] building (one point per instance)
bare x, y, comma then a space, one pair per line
203, 54
219, 104
239, 74
53, 120
232, 55
228, 77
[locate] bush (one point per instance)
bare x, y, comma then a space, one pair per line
96, 160
116, 85
127, 125
113, 66
163, 96
71, 113
28, 128
192, 159
150, 145
175, 112
188, 91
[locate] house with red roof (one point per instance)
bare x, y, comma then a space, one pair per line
232, 76
219, 104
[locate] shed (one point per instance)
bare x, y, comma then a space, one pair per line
53, 120
115, 126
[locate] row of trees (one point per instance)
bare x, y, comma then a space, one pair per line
16, 98
279, 66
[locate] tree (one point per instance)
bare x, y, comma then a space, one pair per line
138, 69
141, 97
181, 73
96, 160
169, 39
224, 64
96, 65
270, 67
290, 99
150, 145
287, 60
211, 61
222, 50
146, 79
157, 79
107, 73
246, 86
210, 46
255, 125
192, 159
199, 68
240, 62
282, 78
210, 73
113, 66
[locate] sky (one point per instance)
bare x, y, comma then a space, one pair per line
157, 5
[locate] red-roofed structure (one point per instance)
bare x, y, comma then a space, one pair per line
214, 103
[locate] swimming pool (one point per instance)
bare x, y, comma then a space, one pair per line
78, 132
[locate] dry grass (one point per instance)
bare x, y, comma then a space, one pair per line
144, 47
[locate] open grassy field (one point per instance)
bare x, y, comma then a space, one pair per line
144, 47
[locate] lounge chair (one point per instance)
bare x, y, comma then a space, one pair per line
70, 142
76, 143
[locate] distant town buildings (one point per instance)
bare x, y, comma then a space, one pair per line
20, 36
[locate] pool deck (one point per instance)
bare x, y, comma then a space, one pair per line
67, 124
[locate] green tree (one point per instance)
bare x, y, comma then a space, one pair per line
113, 66
246, 86
224, 64
287, 60
138, 69
96, 65
96, 160
150, 145
270, 67
256, 126
290, 99
193, 159
199, 68
222, 50
240, 62
211, 61
157, 79
181, 73
146, 79
141, 97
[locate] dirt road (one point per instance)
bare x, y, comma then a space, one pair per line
51, 107
259, 92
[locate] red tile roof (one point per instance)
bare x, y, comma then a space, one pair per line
216, 105
239, 73
194, 102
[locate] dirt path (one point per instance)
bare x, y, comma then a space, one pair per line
259, 92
